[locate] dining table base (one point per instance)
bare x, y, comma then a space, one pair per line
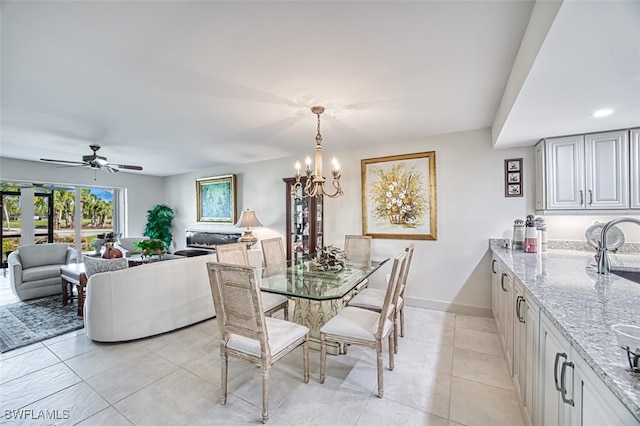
316, 313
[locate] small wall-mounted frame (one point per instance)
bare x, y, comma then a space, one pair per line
513, 177
216, 199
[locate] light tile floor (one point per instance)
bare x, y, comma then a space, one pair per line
449, 371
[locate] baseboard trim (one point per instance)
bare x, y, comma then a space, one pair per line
449, 307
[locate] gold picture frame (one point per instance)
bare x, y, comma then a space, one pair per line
399, 196
216, 199
513, 177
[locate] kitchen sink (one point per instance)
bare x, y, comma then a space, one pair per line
630, 274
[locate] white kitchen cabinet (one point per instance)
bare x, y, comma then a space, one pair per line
595, 405
525, 351
635, 168
540, 177
607, 170
569, 390
564, 171
506, 320
584, 172
502, 305
554, 382
495, 291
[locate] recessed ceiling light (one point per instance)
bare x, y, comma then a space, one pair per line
602, 113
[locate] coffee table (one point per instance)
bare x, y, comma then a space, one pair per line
71, 275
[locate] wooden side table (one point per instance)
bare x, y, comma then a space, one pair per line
70, 275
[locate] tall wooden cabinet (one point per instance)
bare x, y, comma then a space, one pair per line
304, 222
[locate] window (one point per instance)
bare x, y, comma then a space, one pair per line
54, 215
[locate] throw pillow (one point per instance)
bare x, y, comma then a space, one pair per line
94, 265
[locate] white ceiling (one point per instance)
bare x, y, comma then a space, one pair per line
176, 86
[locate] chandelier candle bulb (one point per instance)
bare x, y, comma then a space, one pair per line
307, 161
336, 166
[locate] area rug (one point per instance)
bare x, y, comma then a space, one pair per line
24, 323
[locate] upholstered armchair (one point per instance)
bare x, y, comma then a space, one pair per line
34, 270
127, 245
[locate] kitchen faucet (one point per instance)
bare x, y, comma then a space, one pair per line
604, 264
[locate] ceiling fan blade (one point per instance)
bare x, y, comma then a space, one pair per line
110, 169
126, 166
81, 163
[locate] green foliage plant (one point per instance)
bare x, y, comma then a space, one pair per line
159, 224
150, 247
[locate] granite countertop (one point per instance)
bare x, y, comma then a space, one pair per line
584, 305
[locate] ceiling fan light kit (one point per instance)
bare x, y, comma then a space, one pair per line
95, 161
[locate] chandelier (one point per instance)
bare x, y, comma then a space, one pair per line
314, 182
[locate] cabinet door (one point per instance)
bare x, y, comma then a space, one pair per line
565, 173
554, 350
595, 404
506, 318
532, 323
635, 169
496, 292
540, 177
607, 170
519, 340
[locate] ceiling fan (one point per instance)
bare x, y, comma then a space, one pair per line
95, 161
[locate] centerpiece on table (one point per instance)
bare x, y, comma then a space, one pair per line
330, 258
150, 247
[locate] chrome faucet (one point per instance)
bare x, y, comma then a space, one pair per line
604, 264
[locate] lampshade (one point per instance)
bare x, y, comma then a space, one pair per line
247, 220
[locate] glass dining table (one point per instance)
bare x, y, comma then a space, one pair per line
317, 294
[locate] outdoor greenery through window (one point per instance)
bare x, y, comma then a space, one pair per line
54, 215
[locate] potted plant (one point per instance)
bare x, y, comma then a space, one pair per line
159, 224
150, 247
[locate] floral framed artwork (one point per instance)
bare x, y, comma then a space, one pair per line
513, 177
216, 199
399, 196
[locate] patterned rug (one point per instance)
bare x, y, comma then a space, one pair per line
24, 323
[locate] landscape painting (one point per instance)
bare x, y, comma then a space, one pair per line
216, 199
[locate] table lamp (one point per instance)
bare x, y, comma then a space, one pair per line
247, 220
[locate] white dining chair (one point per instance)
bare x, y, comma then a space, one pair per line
357, 250
236, 253
373, 298
246, 332
363, 327
273, 251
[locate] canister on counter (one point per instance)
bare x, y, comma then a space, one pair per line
518, 234
530, 236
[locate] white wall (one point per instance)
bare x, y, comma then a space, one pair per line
143, 192
450, 273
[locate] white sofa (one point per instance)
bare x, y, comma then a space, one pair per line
146, 300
